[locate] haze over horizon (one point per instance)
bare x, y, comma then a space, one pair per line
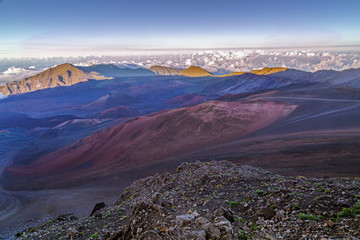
78, 28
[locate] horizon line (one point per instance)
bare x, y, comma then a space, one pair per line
169, 50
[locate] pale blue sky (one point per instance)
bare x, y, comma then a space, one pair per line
39, 28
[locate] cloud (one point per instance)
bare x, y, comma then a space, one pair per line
216, 61
247, 60
13, 70
2, 96
17, 73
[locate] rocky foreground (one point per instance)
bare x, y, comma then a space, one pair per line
219, 200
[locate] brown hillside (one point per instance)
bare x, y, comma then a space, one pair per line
194, 71
61, 75
162, 70
267, 70
232, 74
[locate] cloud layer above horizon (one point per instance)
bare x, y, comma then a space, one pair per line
17, 73
217, 62
239, 60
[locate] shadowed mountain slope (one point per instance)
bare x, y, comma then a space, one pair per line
186, 100
110, 70
111, 100
118, 112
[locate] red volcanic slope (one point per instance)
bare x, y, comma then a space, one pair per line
150, 139
186, 100
118, 112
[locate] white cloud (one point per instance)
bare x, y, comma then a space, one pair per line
2, 96
15, 74
247, 60
212, 60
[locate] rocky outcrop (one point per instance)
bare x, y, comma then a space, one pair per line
62, 75
220, 200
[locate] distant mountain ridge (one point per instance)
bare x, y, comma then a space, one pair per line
67, 75
162, 70
110, 70
267, 70
196, 71
61, 75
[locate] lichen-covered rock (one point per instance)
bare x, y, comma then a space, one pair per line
212, 232
220, 200
184, 220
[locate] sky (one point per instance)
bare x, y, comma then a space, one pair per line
43, 28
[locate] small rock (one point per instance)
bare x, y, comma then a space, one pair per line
331, 224
163, 227
202, 234
97, 207
265, 212
201, 221
280, 215
145, 206
150, 235
342, 203
71, 232
222, 221
225, 213
211, 231
195, 213
66, 217
184, 220
157, 198
224, 226
98, 215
